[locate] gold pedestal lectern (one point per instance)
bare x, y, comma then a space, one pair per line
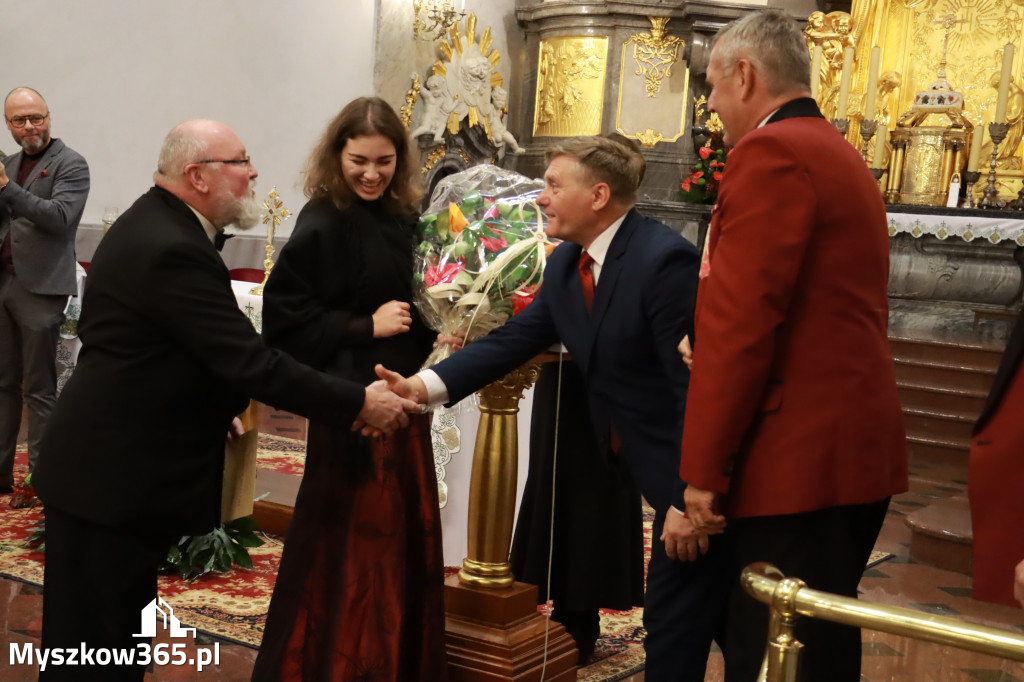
493, 629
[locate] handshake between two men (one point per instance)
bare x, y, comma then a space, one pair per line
385, 410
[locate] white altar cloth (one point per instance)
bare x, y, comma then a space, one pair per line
997, 227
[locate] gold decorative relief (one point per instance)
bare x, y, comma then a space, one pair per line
654, 54
913, 35
411, 96
833, 32
648, 138
653, 85
924, 159
570, 86
713, 124
435, 155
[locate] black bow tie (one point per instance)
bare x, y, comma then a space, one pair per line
220, 238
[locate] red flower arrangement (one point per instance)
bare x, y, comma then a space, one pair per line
701, 187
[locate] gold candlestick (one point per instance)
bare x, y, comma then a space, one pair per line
867, 131
997, 132
877, 173
274, 213
970, 177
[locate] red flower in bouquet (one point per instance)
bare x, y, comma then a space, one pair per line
494, 243
523, 298
442, 274
701, 186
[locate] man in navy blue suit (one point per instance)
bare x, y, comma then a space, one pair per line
619, 294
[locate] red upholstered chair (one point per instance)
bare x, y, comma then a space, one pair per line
247, 275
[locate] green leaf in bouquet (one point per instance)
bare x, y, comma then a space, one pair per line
464, 279
417, 277
427, 220
504, 208
471, 203
461, 249
442, 225
501, 306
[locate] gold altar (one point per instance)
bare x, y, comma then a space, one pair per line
916, 38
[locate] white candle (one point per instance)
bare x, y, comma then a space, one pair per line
462, 7
1004, 84
815, 71
880, 138
844, 82
872, 89
972, 160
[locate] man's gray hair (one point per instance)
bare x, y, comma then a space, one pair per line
181, 147
773, 43
612, 159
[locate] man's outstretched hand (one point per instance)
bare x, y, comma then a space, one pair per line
412, 388
383, 412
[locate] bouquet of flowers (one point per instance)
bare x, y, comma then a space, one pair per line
482, 252
701, 187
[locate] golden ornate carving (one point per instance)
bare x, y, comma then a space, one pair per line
570, 86
464, 82
654, 54
433, 17
713, 124
492, 487
435, 155
411, 95
912, 34
833, 32
924, 157
648, 138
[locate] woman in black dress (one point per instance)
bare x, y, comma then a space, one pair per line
359, 592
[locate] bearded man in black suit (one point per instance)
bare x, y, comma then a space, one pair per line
134, 453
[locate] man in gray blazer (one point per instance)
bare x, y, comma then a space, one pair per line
43, 189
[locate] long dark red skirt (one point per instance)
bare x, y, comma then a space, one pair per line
359, 595
997, 506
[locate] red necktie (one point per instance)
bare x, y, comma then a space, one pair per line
587, 279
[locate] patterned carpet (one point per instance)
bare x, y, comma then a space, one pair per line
234, 606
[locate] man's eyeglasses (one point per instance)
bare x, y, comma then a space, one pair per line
34, 119
246, 161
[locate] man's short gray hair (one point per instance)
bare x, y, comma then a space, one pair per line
612, 159
181, 147
773, 43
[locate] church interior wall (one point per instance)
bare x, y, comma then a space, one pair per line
119, 74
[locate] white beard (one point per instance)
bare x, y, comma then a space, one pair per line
249, 211
244, 212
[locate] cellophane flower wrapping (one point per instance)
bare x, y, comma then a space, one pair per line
481, 254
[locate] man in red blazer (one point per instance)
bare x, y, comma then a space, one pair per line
793, 439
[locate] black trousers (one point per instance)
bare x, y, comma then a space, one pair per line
97, 581
827, 549
684, 609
